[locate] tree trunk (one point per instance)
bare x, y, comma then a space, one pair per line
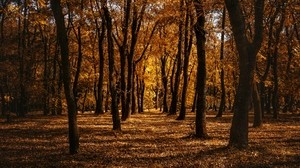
173, 107
164, 79
257, 107
99, 103
133, 95
21, 110
201, 131
71, 103
223, 91
112, 80
247, 60
275, 98
188, 40
78, 69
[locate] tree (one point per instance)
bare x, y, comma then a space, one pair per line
223, 91
178, 60
188, 40
112, 80
66, 75
201, 131
247, 50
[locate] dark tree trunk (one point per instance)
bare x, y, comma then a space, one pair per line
188, 40
66, 75
164, 79
247, 60
135, 28
195, 97
99, 103
46, 95
275, 102
112, 80
289, 96
133, 95
201, 131
22, 104
223, 91
257, 107
78, 69
141, 96
173, 107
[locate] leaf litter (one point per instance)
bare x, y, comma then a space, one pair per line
151, 139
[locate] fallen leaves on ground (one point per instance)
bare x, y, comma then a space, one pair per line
151, 139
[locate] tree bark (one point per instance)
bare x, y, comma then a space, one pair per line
66, 75
112, 80
201, 130
258, 122
223, 91
188, 40
99, 103
247, 60
173, 107
164, 79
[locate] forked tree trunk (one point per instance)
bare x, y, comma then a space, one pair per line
66, 75
112, 80
247, 60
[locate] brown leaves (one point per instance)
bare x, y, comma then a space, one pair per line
147, 140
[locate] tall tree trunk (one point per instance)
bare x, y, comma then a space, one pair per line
188, 40
201, 130
275, 102
173, 107
46, 78
112, 80
21, 110
78, 69
223, 91
133, 95
71, 102
99, 103
247, 60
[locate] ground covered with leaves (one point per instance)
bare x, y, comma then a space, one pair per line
150, 139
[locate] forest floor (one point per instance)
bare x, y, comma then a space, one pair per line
150, 139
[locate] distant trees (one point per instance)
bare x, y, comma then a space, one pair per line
134, 55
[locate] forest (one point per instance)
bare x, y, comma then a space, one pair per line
149, 83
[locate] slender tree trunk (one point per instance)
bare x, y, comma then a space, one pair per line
46, 78
223, 91
112, 80
188, 40
133, 95
78, 69
173, 107
21, 110
71, 102
99, 103
257, 107
164, 82
275, 102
